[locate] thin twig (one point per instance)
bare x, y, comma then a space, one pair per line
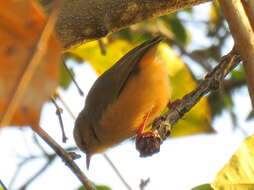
66, 158
117, 171
144, 183
18, 168
3, 186
50, 159
102, 47
65, 106
38, 173
73, 79
59, 111
36, 141
57, 95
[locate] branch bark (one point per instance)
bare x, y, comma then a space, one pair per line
85, 20
249, 7
243, 35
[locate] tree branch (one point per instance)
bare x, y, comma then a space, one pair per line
149, 145
2, 185
243, 35
66, 158
85, 20
38, 173
144, 183
249, 7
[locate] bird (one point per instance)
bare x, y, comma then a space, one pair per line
124, 100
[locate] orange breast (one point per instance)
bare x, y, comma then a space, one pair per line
146, 91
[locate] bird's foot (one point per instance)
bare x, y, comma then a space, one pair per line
141, 130
147, 133
148, 143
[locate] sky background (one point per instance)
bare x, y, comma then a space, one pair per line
181, 164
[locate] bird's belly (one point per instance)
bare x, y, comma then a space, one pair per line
147, 91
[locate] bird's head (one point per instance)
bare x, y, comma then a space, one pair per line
86, 138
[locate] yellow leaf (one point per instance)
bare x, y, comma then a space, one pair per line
238, 173
214, 15
91, 52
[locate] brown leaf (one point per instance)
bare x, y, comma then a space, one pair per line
25, 82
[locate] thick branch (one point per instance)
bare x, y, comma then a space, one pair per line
249, 7
86, 20
243, 35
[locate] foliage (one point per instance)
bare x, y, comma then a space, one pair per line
98, 187
238, 173
203, 187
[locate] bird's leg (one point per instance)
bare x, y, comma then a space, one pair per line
141, 130
147, 143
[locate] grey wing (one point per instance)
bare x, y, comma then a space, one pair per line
109, 85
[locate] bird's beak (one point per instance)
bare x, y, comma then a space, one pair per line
88, 158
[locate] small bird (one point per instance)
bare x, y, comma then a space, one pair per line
123, 100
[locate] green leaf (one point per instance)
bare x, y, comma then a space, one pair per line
102, 187
223, 101
65, 78
98, 187
177, 28
238, 74
125, 34
188, 10
203, 187
91, 53
238, 173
